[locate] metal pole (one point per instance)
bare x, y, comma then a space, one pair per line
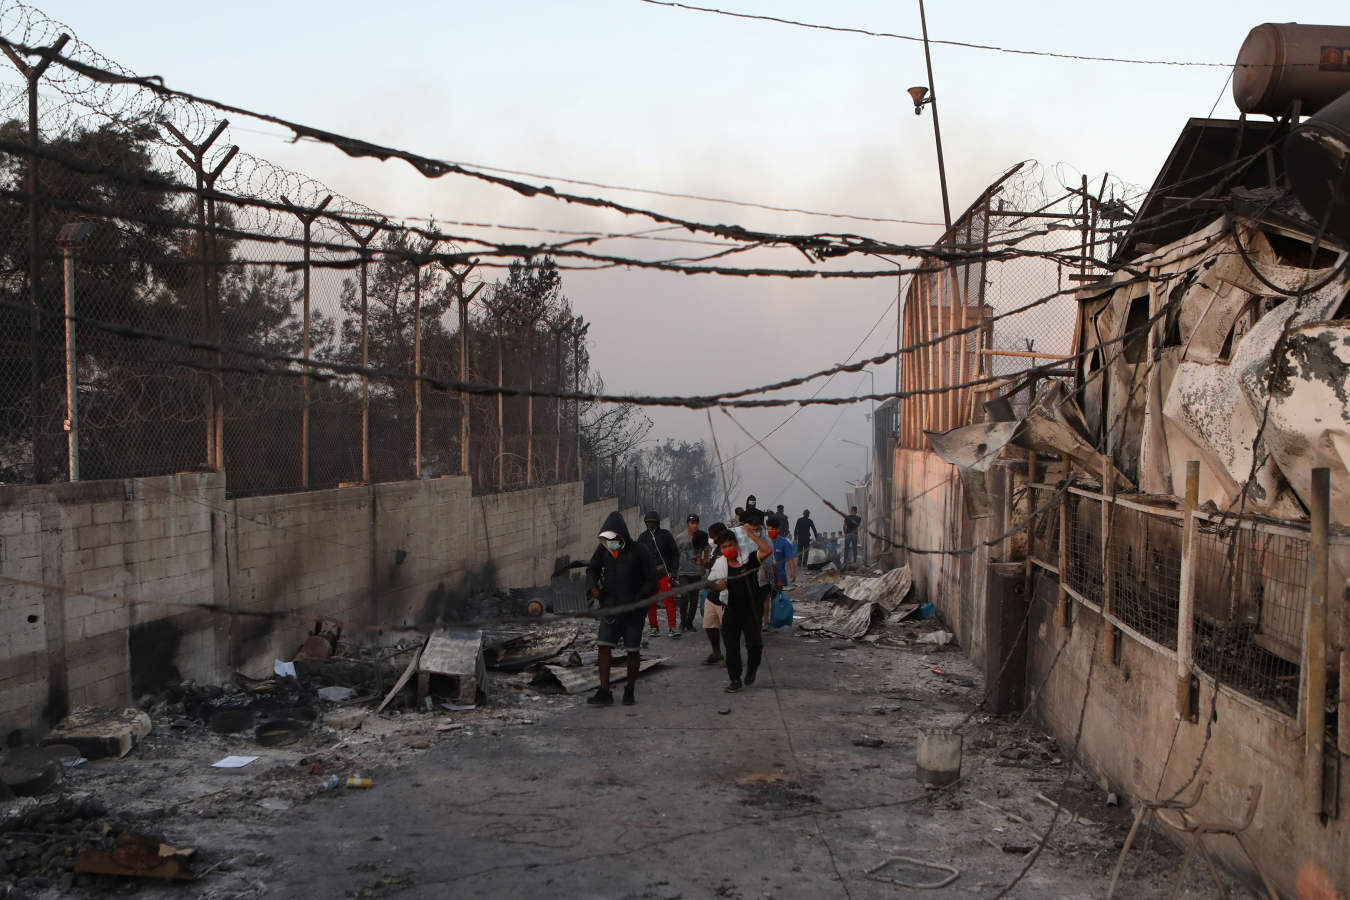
72, 384
1186, 595
1314, 643
1062, 560
937, 129
304, 380
1108, 566
306, 218
579, 337
32, 74
363, 241
557, 405
417, 369
194, 156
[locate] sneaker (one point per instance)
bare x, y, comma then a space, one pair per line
655, 632
750, 676
628, 699
675, 635
712, 660
601, 697
734, 687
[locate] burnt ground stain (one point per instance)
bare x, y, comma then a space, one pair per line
153, 647
470, 599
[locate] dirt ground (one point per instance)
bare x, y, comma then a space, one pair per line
800, 786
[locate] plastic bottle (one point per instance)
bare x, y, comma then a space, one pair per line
331, 782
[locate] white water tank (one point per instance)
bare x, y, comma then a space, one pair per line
1280, 63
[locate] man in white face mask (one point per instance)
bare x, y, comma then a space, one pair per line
620, 574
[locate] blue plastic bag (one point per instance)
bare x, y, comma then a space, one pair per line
780, 614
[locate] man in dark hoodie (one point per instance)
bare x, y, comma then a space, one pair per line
620, 574
661, 547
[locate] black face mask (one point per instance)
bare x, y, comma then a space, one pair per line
652, 526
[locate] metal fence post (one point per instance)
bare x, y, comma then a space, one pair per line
1314, 641
1062, 618
364, 243
72, 236
1343, 715
1031, 515
306, 218
578, 337
1107, 645
457, 279
194, 157
32, 74
1186, 595
417, 368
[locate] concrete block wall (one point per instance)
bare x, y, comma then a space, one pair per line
929, 512
107, 578
1132, 739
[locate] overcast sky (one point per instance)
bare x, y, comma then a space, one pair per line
629, 93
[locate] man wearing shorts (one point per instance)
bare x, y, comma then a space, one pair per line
621, 575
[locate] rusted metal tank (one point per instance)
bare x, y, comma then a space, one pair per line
1317, 158
1281, 63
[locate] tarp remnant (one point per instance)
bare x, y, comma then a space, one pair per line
579, 679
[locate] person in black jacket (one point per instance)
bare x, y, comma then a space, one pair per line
661, 547
802, 533
620, 574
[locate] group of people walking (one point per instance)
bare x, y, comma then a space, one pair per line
727, 575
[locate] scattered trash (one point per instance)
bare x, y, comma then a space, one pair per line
139, 856
453, 707
336, 693
724, 711
584, 678
938, 758
1073, 816
1112, 799
331, 782
234, 762
455, 660
284, 727
360, 782
950, 873
927, 611
98, 733
940, 638
1019, 849
283, 669
28, 772
231, 720
867, 741
275, 804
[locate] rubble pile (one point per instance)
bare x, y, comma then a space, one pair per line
40, 841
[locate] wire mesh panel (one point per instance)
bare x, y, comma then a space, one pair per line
1146, 567
1250, 597
1045, 527
1084, 573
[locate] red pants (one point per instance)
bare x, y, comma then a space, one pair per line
663, 585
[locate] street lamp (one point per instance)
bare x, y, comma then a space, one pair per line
917, 94
867, 455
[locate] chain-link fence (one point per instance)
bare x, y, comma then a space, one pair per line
984, 315
213, 311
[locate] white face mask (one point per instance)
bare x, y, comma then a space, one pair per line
613, 545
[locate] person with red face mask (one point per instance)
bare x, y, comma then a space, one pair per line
745, 598
785, 563
717, 597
